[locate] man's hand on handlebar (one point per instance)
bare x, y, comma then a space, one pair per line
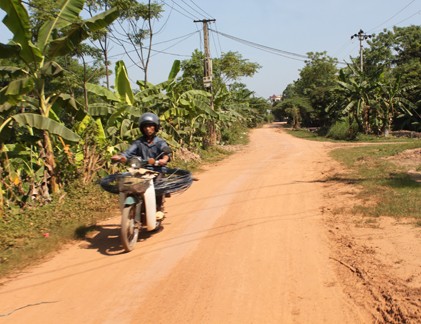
164, 160
119, 158
151, 161
161, 162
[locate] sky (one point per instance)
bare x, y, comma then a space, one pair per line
294, 26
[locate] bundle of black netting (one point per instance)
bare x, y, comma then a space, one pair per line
110, 182
173, 181
169, 182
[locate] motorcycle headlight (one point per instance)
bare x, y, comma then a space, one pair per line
135, 163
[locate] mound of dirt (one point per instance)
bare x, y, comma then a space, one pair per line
410, 160
378, 259
185, 155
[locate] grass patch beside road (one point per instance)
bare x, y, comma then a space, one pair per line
32, 233
382, 172
306, 134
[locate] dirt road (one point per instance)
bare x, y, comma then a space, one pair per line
247, 243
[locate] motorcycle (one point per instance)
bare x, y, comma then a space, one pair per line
137, 189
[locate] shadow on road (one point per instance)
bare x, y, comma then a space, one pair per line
106, 239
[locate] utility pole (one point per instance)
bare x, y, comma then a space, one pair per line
361, 37
207, 76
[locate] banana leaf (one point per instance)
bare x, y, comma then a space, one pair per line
102, 92
17, 21
80, 31
44, 123
68, 11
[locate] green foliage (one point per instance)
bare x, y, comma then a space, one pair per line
356, 91
295, 109
396, 53
237, 133
314, 91
343, 130
33, 109
373, 101
229, 68
386, 95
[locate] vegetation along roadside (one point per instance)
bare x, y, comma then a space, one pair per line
387, 173
389, 176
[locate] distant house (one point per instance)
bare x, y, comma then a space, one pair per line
275, 98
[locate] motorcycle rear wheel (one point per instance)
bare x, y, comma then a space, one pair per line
129, 229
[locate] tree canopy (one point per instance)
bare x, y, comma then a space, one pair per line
386, 95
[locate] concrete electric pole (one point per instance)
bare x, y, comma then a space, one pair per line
361, 37
207, 76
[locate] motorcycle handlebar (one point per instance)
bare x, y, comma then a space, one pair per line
135, 162
118, 159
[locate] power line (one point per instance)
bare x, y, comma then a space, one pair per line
184, 38
157, 51
189, 15
165, 23
219, 40
271, 50
119, 42
190, 7
216, 47
262, 47
206, 14
389, 19
417, 13
176, 38
346, 45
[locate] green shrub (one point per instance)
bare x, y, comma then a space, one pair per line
342, 130
234, 134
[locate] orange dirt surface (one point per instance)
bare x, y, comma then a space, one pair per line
253, 241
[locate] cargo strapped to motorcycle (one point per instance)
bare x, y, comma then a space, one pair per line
172, 181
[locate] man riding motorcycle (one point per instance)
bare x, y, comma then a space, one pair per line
149, 145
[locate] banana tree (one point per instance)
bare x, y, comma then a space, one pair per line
58, 36
358, 92
117, 113
177, 107
393, 101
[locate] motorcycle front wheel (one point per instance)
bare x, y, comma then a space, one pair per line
129, 229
